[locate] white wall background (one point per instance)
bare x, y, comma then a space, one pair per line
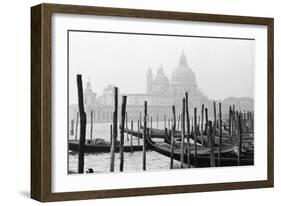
15, 102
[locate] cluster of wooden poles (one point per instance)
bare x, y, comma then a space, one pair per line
237, 123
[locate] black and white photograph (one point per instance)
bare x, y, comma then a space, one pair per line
153, 102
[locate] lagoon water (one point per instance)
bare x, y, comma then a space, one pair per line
100, 162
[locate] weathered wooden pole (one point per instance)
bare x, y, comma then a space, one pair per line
240, 139
195, 137
172, 137
127, 134
76, 126
229, 122
207, 124
215, 118
83, 122
132, 128
110, 131
72, 127
202, 124
138, 132
188, 130
91, 131
211, 140
220, 142
182, 133
140, 119
122, 125
233, 122
206, 120
115, 130
144, 136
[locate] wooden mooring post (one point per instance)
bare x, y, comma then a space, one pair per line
131, 140
91, 131
220, 141
211, 141
110, 134
188, 130
122, 125
240, 132
76, 126
230, 123
215, 119
195, 137
182, 133
172, 137
83, 122
138, 132
206, 120
202, 124
144, 136
115, 130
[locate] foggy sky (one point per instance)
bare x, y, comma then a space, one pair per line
223, 67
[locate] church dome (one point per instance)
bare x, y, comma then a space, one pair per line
161, 81
183, 74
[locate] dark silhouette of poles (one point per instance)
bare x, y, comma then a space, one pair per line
211, 140
202, 124
182, 133
132, 128
188, 130
220, 142
91, 131
215, 119
144, 136
115, 130
172, 137
140, 119
240, 139
207, 124
110, 134
76, 126
138, 132
121, 147
83, 121
229, 122
195, 137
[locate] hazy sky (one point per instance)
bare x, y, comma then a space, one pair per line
223, 67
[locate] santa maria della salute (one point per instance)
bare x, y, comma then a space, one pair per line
161, 94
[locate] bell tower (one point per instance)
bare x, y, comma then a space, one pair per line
89, 95
149, 81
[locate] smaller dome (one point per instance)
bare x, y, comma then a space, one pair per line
161, 79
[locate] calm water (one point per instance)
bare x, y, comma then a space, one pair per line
100, 162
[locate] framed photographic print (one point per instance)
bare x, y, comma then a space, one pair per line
130, 102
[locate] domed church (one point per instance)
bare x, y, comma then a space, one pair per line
182, 80
161, 93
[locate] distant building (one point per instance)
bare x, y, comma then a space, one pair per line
161, 94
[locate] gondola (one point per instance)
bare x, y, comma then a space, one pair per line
229, 157
99, 148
